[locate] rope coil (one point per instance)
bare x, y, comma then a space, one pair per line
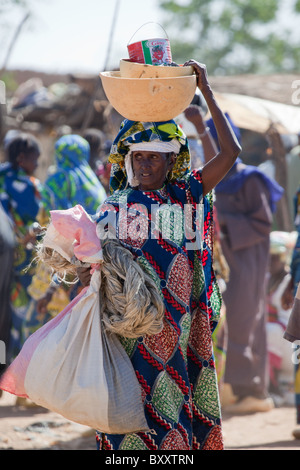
130, 303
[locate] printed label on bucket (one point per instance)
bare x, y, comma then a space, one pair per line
151, 51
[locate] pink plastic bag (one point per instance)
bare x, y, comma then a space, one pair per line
71, 365
13, 379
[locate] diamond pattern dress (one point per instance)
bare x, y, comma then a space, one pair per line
169, 231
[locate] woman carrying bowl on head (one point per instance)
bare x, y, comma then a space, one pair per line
162, 212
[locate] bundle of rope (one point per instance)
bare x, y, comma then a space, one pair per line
130, 303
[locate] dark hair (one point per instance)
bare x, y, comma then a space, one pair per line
95, 138
23, 143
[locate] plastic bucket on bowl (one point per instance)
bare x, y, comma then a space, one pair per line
151, 51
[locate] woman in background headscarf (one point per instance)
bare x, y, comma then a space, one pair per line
73, 180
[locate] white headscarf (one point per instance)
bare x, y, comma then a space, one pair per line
155, 146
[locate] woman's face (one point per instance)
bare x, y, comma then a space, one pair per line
151, 168
29, 162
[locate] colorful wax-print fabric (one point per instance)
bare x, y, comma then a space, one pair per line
176, 367
73, 180
21, 198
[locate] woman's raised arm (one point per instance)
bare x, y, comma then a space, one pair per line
214, 170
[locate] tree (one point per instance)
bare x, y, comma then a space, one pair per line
235, 36
7, 9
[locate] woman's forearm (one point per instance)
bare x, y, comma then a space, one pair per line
193, 114
215, 170
227, 140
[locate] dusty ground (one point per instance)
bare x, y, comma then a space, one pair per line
35, 428
23, 428
261, 431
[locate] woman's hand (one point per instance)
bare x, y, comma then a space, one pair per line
28, 239
84, 275
193, 114
287, 298
201, 73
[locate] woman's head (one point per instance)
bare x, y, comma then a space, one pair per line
71, 151
23, 152
95, 138
150, 168
168, 145
148, 164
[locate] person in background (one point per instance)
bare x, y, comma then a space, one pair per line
245, 202
72, 181
289, 145
205, 146
7, 246
293, 171
292, 334
290, 299
193, 125
96, 139
20, 195
99, 147
281, 373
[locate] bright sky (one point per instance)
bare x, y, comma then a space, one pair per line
73, 35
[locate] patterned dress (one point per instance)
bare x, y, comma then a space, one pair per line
175, 368
20, 196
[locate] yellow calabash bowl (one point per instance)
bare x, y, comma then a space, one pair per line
135, 70
148, 99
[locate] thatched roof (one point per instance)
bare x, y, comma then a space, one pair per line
277, 87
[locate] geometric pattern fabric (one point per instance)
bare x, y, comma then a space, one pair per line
175, 368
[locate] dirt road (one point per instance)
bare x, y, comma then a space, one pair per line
35, 428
